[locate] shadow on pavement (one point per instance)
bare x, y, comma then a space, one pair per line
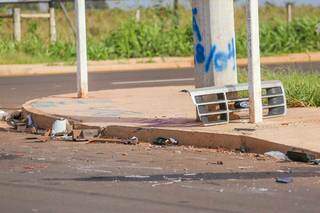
314, 172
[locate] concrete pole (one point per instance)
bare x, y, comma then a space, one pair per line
82, 68
17, 24
53, 31
289, 12
214, 43
138, 15
254, 75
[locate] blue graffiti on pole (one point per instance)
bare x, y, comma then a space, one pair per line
219, 59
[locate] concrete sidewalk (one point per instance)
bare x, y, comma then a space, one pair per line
142, 64
164, 111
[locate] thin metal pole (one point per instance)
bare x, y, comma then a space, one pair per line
65, 12
82, 69
254, 61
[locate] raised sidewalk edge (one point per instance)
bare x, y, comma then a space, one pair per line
142, 64
186, 138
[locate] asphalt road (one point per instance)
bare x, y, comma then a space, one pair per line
78, 177
14, 91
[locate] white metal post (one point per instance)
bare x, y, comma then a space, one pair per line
289, 12
52, 23
82, 69
214, 42
254, 61
17, 24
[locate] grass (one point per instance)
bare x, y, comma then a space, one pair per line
302, 88
154, 36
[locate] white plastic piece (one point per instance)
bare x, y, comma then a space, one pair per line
59, 127
3, 115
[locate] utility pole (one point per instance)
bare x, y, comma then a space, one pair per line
214, 43
82, 68
255, 101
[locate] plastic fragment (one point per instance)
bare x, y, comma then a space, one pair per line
284, 180
277, 155
162, 141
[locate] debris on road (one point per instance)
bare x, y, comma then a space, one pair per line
162, 141
3, 115
216, 163
300, 156
284, 180
316, 162
131, 141
243, 149
60, 127
277, 155
245, 129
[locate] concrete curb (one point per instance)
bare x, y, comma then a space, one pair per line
142, 64
187, 138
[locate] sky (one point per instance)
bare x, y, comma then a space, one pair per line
145, 3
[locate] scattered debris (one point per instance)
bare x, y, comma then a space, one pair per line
243, 149
131, 141
161, 141
216, 163
260, 157
263, 189
284, 180
277, 155
190, 174
315, 162
167, 183
245, 167
300, 156
59, 127
245, 129
3, 115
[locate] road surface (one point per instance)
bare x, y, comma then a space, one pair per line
14, 91
78, 177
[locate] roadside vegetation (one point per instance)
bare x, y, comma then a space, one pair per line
155, 35
302, 88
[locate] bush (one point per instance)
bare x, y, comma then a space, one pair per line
158, 38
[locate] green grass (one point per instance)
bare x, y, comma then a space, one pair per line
302, 88
157, 39
154, 36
